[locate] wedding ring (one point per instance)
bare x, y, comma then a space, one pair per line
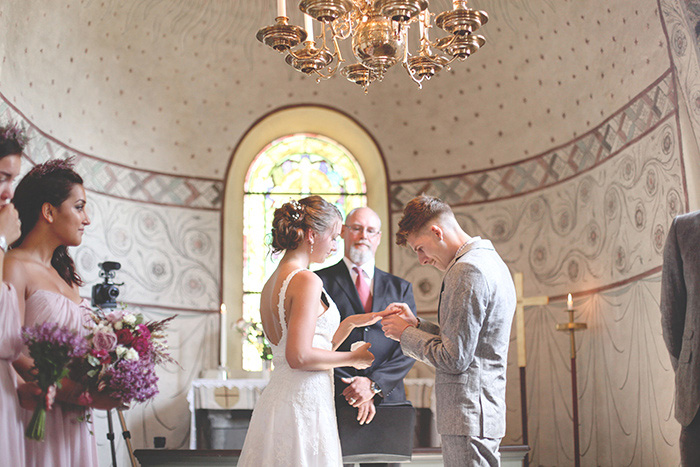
351, 400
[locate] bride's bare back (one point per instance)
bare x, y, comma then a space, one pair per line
304, 290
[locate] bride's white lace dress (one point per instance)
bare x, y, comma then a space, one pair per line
293, 423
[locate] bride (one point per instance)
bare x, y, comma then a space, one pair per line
294, 419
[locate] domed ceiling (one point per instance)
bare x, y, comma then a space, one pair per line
172, 85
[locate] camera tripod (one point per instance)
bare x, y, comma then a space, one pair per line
125, 434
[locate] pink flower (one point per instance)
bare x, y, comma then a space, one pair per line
102, 355
143, 330
104, 340
85, 398
141, 345
115, 316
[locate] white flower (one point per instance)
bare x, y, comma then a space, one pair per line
129, 319
132, 355
118, 325
121, 351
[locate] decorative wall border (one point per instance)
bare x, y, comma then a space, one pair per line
639, 116
117, 180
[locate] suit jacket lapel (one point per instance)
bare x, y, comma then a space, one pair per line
379, 289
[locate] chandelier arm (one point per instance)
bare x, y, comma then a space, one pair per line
419, 82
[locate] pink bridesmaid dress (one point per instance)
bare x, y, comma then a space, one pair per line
68, 441
11, 429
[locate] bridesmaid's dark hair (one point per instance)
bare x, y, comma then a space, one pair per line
50, 182
12, 140
293, 219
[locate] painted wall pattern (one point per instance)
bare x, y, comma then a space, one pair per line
115, 180
595, 147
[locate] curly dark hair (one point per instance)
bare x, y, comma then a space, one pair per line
293, 219
50, 182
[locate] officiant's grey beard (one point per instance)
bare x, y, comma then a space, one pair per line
360, 253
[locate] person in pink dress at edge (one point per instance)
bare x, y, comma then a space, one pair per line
51, 201
12, 142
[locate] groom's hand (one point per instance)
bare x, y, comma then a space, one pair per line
358, 391
393, 326
366, 412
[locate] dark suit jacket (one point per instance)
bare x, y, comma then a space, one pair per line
680, 311
390, 365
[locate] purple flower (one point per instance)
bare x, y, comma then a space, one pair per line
133, 380
104, 340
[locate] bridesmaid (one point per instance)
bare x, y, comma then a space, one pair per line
12, 433
51, 203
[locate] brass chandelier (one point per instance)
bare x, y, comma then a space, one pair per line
379, 31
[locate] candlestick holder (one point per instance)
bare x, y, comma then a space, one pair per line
571, 327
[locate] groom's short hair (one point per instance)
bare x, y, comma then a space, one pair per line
418, 212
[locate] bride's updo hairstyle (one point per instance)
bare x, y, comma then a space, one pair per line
50, 182
293, 219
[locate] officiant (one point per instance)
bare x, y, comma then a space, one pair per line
357, 286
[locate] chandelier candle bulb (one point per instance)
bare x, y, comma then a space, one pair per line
281, 8
569, 303
309, 26
222, 336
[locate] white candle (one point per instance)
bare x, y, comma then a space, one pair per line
222, 336
569, 303
281, 8
309, 26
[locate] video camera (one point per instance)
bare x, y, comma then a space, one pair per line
105, 295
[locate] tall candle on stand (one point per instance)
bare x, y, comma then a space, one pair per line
569, 303
281, 8
222, 336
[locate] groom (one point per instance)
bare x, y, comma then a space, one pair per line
469, 347
357, 286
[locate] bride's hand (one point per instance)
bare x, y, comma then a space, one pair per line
362, 319
362, 357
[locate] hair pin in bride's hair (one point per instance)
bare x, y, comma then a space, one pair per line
297, 207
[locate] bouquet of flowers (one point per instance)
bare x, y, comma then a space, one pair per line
52, 347
123, 351
252, 332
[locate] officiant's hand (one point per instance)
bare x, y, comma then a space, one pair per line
366, 412
358, 391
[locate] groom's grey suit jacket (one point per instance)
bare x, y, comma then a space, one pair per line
680, 311
469, 348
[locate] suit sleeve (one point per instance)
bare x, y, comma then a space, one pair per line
397, 365
673, 296
462, 314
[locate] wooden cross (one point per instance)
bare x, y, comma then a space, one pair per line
522, 302
226, 397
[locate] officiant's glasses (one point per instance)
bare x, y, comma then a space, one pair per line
357, 229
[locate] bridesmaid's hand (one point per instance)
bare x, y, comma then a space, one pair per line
29, 395
102, 401
9, 223
362, 357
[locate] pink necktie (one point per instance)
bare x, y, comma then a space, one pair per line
363, 290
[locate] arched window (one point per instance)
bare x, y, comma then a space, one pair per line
290, 167
289, 153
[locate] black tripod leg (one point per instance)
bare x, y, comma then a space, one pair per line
110, 437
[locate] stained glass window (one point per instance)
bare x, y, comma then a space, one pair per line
290, 167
